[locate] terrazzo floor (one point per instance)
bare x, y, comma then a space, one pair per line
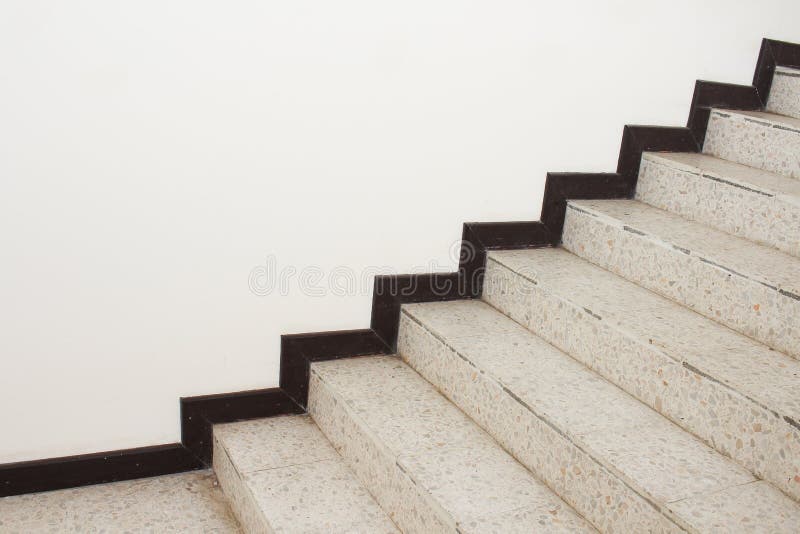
185, 503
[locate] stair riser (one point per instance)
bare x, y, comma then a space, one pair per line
241, 500
745, 305
736, 426
753, 143
411, 510
751, 214
596, 493
784, 95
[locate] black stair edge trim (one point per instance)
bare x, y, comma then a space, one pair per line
298, 351
95, 468
389, 292
753, 97
773, 54
561, 186
199, 414
478, 238
639, 139
709, 95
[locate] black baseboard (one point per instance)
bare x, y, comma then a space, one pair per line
389, 292
200, 414
773, 53
639, 139
709, 95
97, 468
478, 238
560, 186
298, 351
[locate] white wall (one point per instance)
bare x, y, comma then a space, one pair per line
152, 153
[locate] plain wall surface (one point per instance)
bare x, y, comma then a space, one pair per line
153, 153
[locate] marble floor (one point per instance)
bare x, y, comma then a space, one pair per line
186, 502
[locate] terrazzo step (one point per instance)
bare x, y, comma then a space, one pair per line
756, 139
749, 287
740, 200
620, 464
281, 475
736, 394
428, 465
784, 95
188, 502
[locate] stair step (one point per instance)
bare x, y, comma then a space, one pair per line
756, 139
281, 475
427, 464
619, 463
740, 200
784, 95
736, 394
749, 287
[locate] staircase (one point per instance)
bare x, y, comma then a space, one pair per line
642, 376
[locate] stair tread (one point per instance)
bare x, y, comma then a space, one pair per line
753, 507
733, 392
175, 503
769, 377
751, 178
784, 93
787, 70
749, 287
743, 201
515, 354
756, 138
557, 387
273, 442
738, 256
446, 455
655, 457
294, 479
765, 117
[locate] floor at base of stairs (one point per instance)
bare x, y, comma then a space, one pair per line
186, 502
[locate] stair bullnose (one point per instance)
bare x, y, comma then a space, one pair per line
750, 203
556, 417
734, 393
281, 474
745, 286
756, 139
429, 466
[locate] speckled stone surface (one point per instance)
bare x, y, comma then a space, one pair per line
371, 461
784, 95
282, 475
186, 502
425, 461
751, 203
749, 287
244, 506
733, 392
605, 437
318, 497
274, 442
756, 139
522, 521
753, 507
